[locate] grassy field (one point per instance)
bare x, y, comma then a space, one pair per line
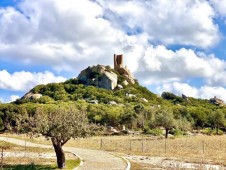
197, 149
26, 162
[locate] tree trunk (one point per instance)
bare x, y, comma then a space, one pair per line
59, 153
167, 132
217, 131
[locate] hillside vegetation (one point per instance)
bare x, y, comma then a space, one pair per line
132, 105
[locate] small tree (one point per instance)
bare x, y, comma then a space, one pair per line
60, 124
217, 120
164, 117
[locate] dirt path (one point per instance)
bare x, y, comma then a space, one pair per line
92, 159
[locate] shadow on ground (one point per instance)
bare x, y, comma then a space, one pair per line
27, 167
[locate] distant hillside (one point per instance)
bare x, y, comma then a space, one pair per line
190, 101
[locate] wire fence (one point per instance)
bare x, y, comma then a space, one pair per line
197, 149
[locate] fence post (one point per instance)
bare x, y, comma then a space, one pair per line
165, 145
203, 147
220, 145
142, 144
101, 143
130, 145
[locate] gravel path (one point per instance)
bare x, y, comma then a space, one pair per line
92, 159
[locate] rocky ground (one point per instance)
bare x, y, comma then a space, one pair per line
160, 163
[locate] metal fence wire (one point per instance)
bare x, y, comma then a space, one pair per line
184, 148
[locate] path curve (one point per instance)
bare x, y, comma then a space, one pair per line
92, 159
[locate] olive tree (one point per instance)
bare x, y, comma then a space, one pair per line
60, 124
164, 117
217, 119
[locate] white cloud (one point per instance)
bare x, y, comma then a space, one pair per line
71, 35
161, 65
220, 6
204, 92
14, 98
187, 22
24, 81
65, 37
178, 88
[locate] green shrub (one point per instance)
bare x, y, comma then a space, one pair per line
155, 132
209, 131
177, 132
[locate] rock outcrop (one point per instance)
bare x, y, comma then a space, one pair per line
106, 77
99, 76
32, 96
217, 101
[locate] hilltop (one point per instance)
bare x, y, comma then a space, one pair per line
113, 97
97, 84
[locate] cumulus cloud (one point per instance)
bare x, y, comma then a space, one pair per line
187, 22
65, 37
204, 92
24, 81
220, 6
14, 98
162, 65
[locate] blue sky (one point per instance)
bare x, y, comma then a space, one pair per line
169, 45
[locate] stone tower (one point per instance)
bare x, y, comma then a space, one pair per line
118, 61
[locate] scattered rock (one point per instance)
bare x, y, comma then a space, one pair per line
119, 86
112, 130
145, 100
93, 101
125, 83
130, 95
112, 103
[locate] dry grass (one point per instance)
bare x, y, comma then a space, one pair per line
12, 149
26, 160
197, 149
35, 160
9, 147
40, 139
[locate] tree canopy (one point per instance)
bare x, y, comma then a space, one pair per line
60, 123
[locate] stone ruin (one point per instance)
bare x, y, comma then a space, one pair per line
118, 66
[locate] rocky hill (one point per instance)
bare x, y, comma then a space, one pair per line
103, 84
96, 84
113, 97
